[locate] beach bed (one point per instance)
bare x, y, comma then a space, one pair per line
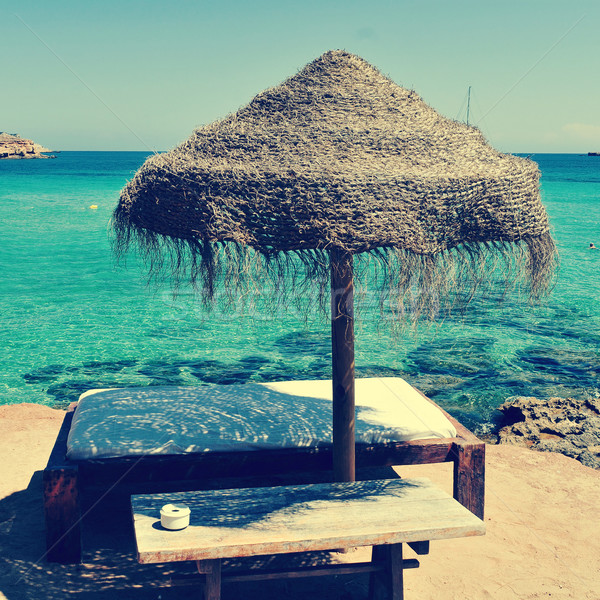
236, 436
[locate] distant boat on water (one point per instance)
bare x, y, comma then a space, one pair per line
467, 100
593, 153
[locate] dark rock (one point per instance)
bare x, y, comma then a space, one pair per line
565, 425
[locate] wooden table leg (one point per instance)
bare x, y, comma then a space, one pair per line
377, 556
212, 570
390, 582
396, 572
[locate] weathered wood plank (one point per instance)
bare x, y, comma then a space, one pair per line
389, 582
58, 455
242, 522
420, 548
376, 581
62, 513
396, 573
469, 476
218, 465
236, 576
211, 569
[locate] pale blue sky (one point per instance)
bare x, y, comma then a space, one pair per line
141, 75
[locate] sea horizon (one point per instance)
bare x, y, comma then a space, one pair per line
73, 319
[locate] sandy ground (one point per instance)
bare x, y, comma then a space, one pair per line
543, 535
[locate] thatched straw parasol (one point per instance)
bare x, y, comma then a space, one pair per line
338, 162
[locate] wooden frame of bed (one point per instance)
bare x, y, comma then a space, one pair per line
64, 480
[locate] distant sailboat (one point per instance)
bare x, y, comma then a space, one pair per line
468, 111
468, 104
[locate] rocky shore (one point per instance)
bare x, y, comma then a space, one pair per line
12, 146
565, 425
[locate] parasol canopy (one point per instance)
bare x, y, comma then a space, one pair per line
339, 161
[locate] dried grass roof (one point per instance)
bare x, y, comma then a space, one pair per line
338, 156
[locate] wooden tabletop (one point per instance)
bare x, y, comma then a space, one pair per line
257, 521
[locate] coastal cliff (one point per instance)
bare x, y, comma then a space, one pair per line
13, 146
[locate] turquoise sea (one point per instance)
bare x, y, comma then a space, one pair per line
71, 319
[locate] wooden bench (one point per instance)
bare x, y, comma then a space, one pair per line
278, 520
66, 481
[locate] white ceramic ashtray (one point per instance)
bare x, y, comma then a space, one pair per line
175, 516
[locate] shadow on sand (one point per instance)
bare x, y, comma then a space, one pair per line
110, 570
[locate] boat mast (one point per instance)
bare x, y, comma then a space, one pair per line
468, 104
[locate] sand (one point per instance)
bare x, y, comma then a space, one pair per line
543, 535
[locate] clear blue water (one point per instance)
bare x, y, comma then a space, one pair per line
71, 319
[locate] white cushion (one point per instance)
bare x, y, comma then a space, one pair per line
249, 416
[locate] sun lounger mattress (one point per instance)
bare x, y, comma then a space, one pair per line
251, 416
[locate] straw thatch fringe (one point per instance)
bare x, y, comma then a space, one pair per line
339, 156
404, 285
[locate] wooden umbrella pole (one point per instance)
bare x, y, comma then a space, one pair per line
342, 346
